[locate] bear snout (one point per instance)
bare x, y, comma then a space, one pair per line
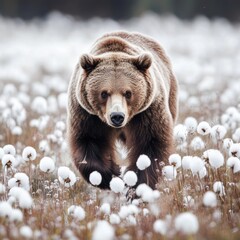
117, 118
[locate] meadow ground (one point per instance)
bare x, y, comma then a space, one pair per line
42, 195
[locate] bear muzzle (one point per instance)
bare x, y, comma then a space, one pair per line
117, 118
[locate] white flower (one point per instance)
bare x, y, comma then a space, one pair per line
117, 185
9, 161
219, 188
77, 212
143, 162
19, 180
227, 143
130, 178
236, 135
26, 232
180, 133
60, 125
203, 172
210, 199
196, 165
23, 197
175, 160
66, 176
146, 193
191, 124
186, 223
16, 215
197, 144
128, 210
234, 163
114, 219
5, 209
169, 172
44, 146
186, 161
47, 164
29, 153
17, 131
203, 128
214, 157
39, 105
9, 149
160, 226
95, 178
218, 132
105, 208
1, 153
234, 150
2, 188
103, 230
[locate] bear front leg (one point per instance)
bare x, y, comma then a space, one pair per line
154, 139
92, 149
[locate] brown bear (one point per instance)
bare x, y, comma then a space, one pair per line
124, 89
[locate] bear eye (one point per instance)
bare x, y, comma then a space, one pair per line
104, 95
128, 95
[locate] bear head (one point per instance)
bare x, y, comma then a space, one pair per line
115, 86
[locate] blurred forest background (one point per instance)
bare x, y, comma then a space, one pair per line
121, 9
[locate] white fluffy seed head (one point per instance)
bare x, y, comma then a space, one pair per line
105, 208
39, 105
191, 124
9, 149
197, 144
227, 143
175, 160
47, 165
95, 178
143, 162
160, 227
210, 199
26, 232
169, 172
9, 161
180, 133
236, 135
16, 216
103, 230
19, 180
1, 153
219, 188
234, 150
234, 163
2, 188
130, 178
29, 153
186, 223
66, 177
117, 185
214, 157
203, 128
114, 219
79, 213
5, 209
196, 165
186, 161
218, 132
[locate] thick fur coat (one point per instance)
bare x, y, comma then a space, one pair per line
123, 89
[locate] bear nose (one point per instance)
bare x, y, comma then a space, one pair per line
117, 118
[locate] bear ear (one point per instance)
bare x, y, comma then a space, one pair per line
88, 62
143, 61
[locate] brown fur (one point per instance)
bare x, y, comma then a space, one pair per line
119, 63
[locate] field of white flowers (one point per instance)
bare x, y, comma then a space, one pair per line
42, 195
